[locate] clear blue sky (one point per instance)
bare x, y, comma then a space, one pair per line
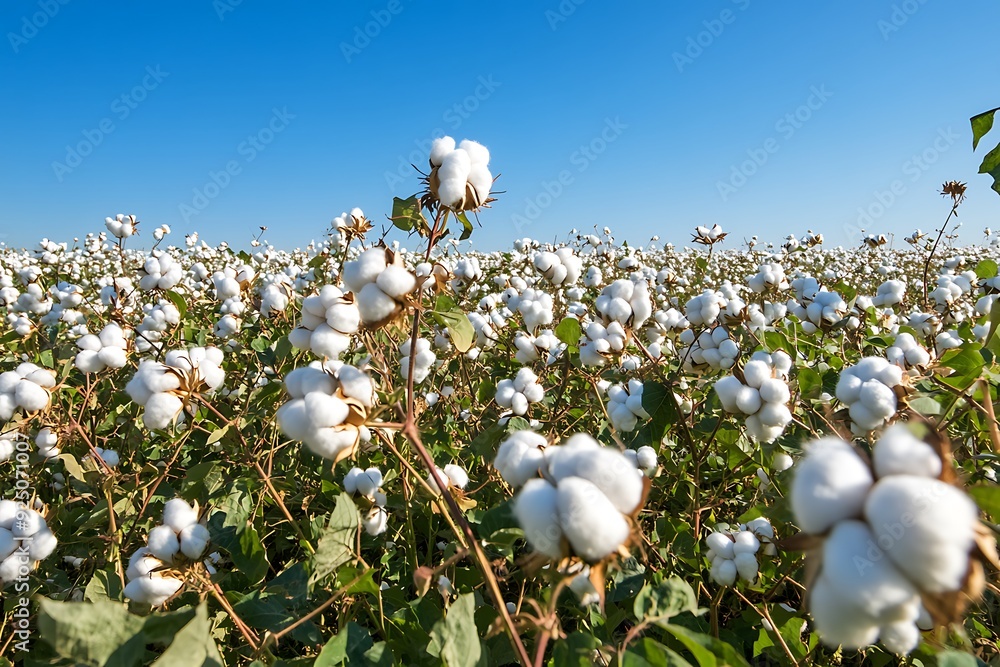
679, 109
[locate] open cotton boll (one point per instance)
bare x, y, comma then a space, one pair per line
162, 543
351, 480
478, 154
590, 521
375, 521
8, 512
860, 573
440, 148
728, 388
374, 304
520, 457
152, 590
745, 543
755, 372
645, 458
178, 514
838, 622
43, 543
7, 543
536, 509
932, 527
194, 540
899, 452
31, 396
724, 572
28, 525
457, 475
582, 456
161, 411
721, 544
746, 566
900, 637
396, 281
364, 270
368, 482
830, 484
294, 420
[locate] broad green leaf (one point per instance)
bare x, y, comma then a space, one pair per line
981, 124
466, 225
576, 650
193, 646
665, 600
347, 647
459, 327
647, 652
986, 268
105, 585
658, 402
92, 633
457, 635
569, 331
706, 649
406, 214
336, 544
925, 405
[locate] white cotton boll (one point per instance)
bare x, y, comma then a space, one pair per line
307, 379
7, 543
451, 192
162, 543
30, 396
520, 457
457, 475
748, 400
43, 543
519, 403
481, 181
589, 520
153, 590
10, 569
773, 390
374, 304
440, 148
8, 512
478, 154
848, 388
746, 543
294, 419
328, 342
755, 372
830, 484
324, 410
329, 443
781, 461
534, 393
194, 540
505, 392
375, 521
28, 525
536, 510
396, 281
89, 361
178, 514
351, 480
900, 637
858, 570
646, 458
724, 572
368, 482
365, 269
932, 527
141, 563
721, 544
899, 452
774, 415
879, 398
161, 410
356, 383
727, 389
112, 357
581, 456
746, 566
838, 622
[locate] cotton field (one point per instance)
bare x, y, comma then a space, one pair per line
392, 450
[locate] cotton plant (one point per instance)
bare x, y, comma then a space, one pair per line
159, 271
644, 459
460, 177
907, 353
561, 267
47, 443
580, 499
368, 484
535, 307
166, 388
888, 534
423, 361
326, 323
381, 283
625, 405
599, 343
328, 408
762, 395
733, 555
518, 393
25, 540
27, 387
626, 302
154, 571
530, 348
107, 349
712, 348
122, 226
867, 389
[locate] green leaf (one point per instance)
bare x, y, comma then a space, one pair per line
193, 646
810, 382
217, 435
346, 647
665, 600
925, 405
981, 124
459, 327
105, 585
102, 633
178, 301
576, 650
991, 162
647, 652
569, 331
241, 540
987, 496
967, 360
658, 402
986, 268
335, 547
74, 469
466, 225
457, 635
406, 214
706, 649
